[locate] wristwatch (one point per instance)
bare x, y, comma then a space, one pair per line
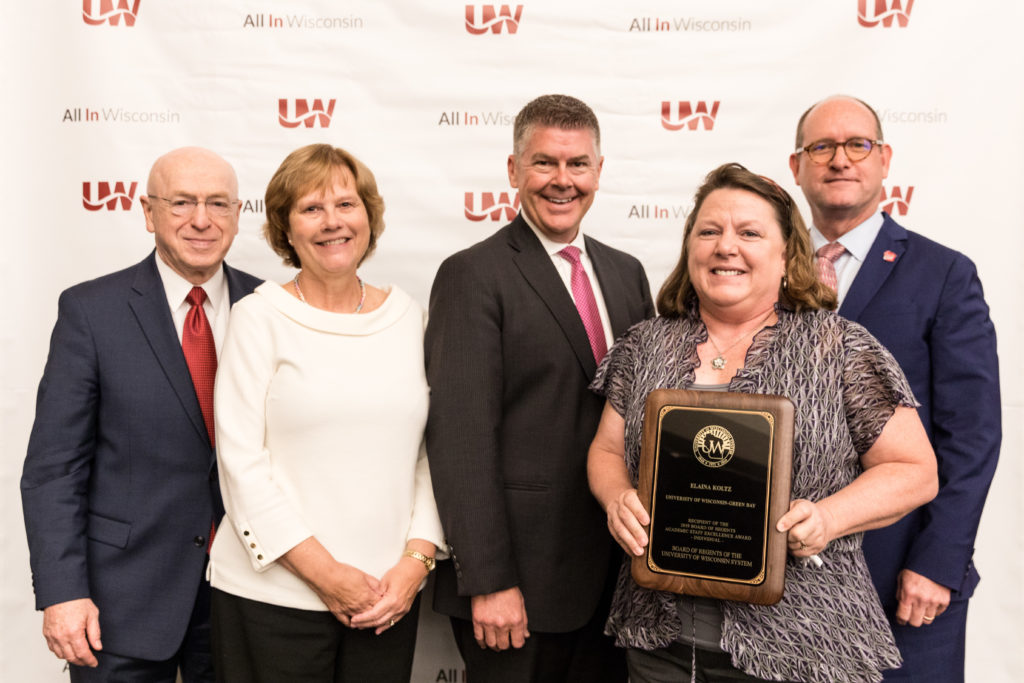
428, 562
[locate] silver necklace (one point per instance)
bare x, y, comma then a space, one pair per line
362, 291
718, 362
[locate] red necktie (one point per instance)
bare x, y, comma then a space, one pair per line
586, 304
201, 357
200, 354
827, 256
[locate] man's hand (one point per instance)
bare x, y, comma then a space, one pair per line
921, 599
71, 628
499, 619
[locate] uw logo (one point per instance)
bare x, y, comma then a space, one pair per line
714, 446
883, 12
492, 207
305, 114
492, 19
107, 197
107, 13
689, 116
895, 199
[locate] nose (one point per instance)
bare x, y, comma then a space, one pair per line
200, 217
839, 159
332, 218
562, 178
726, 243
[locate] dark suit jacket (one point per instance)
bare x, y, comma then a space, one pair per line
120, 482
510, 423
924, 302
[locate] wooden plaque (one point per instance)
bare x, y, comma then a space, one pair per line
715, 478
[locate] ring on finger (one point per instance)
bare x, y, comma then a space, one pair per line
391, 623
929, 618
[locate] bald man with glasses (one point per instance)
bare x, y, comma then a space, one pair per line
119, 487
923, 301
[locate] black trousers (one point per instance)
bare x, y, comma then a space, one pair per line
673, 664
254, 642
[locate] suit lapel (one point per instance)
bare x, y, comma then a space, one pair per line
610, 279
149, 304
536, 268
236, 289
885, 253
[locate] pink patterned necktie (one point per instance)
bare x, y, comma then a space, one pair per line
586, 304
200, 355
827, 256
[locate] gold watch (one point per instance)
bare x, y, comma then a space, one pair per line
428, 562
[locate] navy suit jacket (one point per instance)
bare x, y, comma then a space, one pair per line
120, 482
924, 302
511, 420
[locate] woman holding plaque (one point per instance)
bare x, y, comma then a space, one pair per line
321, 402
744, 312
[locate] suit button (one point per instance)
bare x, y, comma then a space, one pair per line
199, 541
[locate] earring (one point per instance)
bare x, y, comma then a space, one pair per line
785, 282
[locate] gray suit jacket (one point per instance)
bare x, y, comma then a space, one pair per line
511, 420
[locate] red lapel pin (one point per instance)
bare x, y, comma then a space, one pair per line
889, 256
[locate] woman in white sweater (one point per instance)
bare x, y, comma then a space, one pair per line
320, 405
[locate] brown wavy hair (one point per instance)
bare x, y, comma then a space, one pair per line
311, 168
799, 290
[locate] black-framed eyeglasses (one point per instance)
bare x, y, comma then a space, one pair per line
823, 151
181, 206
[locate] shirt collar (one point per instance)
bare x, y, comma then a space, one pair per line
177, 288
551, 246
857, 241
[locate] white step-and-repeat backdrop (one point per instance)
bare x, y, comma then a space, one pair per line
425, 93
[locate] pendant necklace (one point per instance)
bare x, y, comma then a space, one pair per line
362, 292
718, 362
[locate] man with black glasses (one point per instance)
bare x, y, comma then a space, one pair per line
923, 301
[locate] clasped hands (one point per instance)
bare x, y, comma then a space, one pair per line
360, 600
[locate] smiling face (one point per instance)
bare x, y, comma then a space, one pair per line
842, 194
736, 254
193, 246
329, 228
557, 174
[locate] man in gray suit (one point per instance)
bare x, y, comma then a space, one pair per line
518, 324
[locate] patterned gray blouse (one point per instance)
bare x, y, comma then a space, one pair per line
845, 385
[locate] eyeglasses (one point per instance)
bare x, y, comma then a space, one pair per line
823, 151
182, 207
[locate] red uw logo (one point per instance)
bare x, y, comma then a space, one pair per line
491, 206
894, 198
688, 115
105, 196
96, 12
305, 113
492, 19
883, 12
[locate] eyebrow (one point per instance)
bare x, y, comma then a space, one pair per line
189, 195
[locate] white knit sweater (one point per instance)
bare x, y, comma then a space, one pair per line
320, 421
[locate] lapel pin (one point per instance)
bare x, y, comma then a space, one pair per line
889, 256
